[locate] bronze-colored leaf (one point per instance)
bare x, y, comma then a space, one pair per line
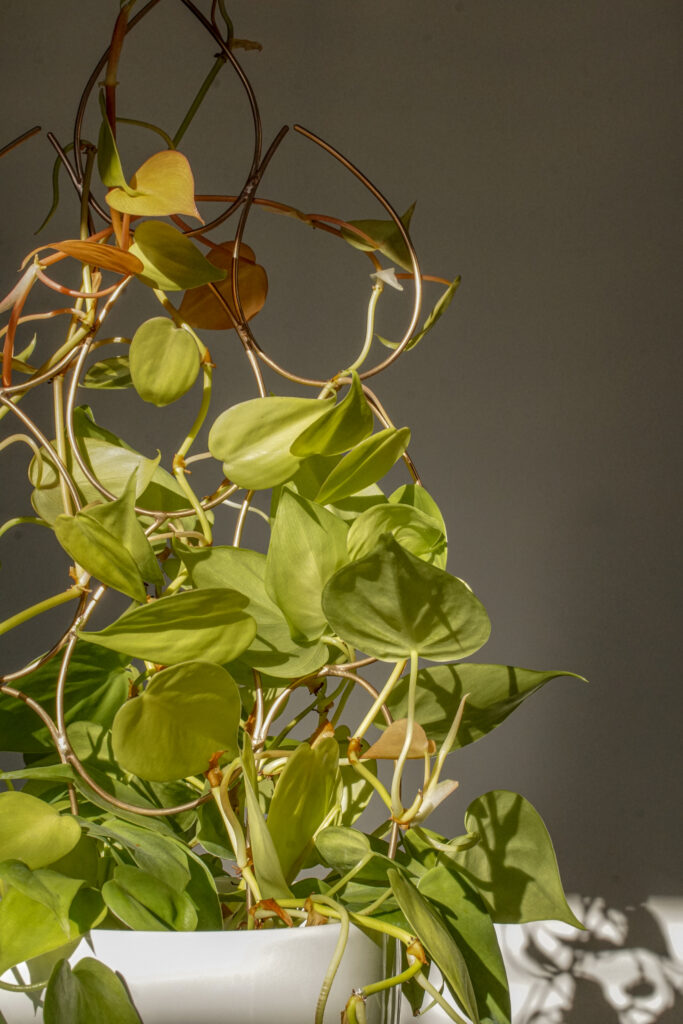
390, 744
106, 257
201, 308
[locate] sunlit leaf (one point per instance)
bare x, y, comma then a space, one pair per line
195, 624
415, 531
252, 439
439, 309
513, 866
495, 691
201, 308
163, 185
90, 991
302, 798
119, 518
185, 715
33, 831
106, 257
386, 235
307, 545
364, 465
101, 554
342, 427
170, 261
164, 361
390, 743
109, 374
437, 941
391, 603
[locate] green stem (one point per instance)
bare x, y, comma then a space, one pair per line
179, 474
36, 986
398, 979
37, 609
18, 522
424, 983
60, 437
381, 699
396, 805
376, 904
147, 124
350, 874
336, 956
377, 290
197, 101
379, 788
355, 1010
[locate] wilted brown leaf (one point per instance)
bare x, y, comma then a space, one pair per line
390, 744
202, 309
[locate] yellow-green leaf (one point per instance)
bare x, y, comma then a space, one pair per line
164, 361
170, 261
164, 185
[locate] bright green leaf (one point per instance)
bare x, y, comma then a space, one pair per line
342, 427
307, 545
171, 261
252, 439
33, 831
88, 992
101, 554
391, 603
364, 465
185, 715
164, 361
206, 624
120, 520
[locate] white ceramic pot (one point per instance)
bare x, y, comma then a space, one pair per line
260, 977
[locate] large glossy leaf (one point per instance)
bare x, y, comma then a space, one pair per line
513, 866
96, 686
170, 260
415, 531
201, 308
120, 520
437, 941
164, 361
252, 439
145, 903
102, 555
33, 831
391, 603
364, 465
342, 427
112, 374
185, 715
273, 648
163, 185
302, 798
495, 691
29, 928
206, 624
437, 312
464, 915
267, 867
88, 992
386, 235
307, 545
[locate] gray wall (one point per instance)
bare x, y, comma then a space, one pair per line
537, 137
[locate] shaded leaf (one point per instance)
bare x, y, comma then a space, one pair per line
162, 186
164, 361
170, 261
201, 308
386, 235
391, 603
340, 428
415, 531
195, 624
252, 439
307, 545
185, 715
90, 991
364, 464
111, 374
119, 518
101, 554
267, 867
34, 832
158, 855
513, 866
145, 903
108, 159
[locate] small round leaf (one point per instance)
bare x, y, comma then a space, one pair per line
164, 361
33, 831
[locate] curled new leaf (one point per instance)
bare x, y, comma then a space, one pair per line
201, 308
386, 235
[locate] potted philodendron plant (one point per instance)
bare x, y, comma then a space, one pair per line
191, 764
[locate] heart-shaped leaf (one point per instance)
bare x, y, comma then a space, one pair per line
307, 545
513, 866
170, 261
364, 464
33, 831
90, 991
386, 236
391, 603
164, 361
252, 439
185, 715
163, 185
201, 308
495, 691
390, 744
195, 624
342, 427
